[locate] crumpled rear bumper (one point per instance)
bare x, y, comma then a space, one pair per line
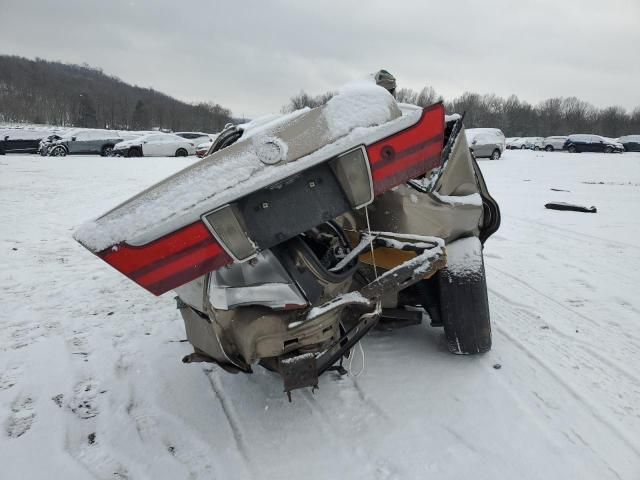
430, 256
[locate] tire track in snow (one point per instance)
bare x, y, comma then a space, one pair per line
539, 293
590, 347
572, 234
232, 418
615, 265
368, 401
336, 431
507, 316
158, 430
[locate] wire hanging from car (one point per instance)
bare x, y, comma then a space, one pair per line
359, 344
373, 257
375, 272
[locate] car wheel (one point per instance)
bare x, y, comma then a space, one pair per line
608, 150
571, 149
464, 304
522, 147
495, 155
134, 152
548, 148
536, 148
58, 152
181, 152
107, 151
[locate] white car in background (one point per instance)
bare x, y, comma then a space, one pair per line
486, 142
195, 137
517, 143
554, 143
155, 145
535, 143
510, 141
528, 143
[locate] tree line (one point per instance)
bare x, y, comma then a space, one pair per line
45, 92
515, 117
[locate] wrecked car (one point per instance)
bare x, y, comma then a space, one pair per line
299, 233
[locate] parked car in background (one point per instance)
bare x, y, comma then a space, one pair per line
195, 137
554, 143
21, 141
516, 143
525, 143
203, 148
155, 145
49, 140
510, 142
579, 143
535, 143
84, 142
631, 143
486, 142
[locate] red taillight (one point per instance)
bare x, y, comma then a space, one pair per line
409, 153
169, 261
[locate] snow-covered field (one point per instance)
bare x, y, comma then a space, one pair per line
91, 383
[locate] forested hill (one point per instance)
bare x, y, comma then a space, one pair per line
40, 91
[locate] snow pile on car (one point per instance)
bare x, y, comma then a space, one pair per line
361, 113
359, 104
464, 257
486, 136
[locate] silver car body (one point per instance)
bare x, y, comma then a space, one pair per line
314, 203
484, 142
554, 142
86, 142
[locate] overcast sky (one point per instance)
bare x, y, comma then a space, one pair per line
251, 56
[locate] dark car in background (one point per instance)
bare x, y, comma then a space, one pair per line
84, 142
579, 143
631, 143
21, 141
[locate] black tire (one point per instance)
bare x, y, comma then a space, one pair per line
572, 149
58, 151
464, 306
549, 148
134, 152
522, 147
608, 150
181, 152
495, 155
107, 151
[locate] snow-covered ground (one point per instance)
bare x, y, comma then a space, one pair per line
91, 383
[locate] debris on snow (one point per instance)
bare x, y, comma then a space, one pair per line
570, 207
